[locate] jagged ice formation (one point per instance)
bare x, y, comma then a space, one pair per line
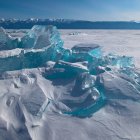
54, 80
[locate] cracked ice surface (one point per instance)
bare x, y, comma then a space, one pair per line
48, 91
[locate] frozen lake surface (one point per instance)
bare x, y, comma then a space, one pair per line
97, 98
122, 42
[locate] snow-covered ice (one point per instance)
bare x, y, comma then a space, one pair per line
76, 91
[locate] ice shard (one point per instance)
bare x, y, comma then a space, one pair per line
41, 36
85, 52
6, 41
41, 44
85, 98
103, 63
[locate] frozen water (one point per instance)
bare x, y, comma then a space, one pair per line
41, 36
84, 52
6, 41
45, 37
38, 37
45, 87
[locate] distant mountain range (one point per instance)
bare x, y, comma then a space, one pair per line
68, 24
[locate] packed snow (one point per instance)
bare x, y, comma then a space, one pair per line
69, 88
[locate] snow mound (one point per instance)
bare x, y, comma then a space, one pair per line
45, 80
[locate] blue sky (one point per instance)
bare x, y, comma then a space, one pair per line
71, 9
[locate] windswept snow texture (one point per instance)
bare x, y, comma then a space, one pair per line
55, 93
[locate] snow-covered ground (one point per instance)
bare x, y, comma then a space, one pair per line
32, 105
